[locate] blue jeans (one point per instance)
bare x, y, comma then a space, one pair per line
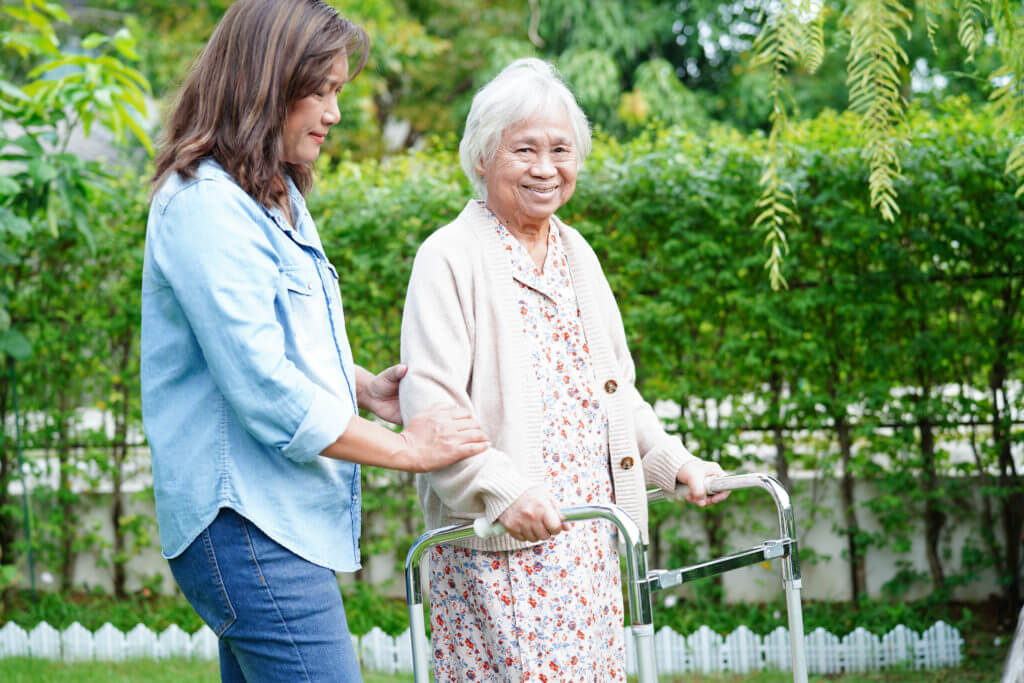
278, 616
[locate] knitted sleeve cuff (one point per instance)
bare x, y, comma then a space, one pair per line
663, 462
501, 494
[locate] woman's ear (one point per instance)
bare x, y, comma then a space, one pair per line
480, 168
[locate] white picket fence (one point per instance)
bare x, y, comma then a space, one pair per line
705, 651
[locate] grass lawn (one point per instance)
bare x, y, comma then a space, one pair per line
21, 670
982, 664
18, 670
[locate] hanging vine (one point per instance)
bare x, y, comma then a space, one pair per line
874, 63
791, 34
1008, 94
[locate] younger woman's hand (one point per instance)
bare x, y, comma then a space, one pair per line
380, 394
438, 437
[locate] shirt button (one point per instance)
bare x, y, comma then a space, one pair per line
610, 386
627, 463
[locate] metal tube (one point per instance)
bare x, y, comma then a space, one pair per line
796, 630
417, 629
646, 663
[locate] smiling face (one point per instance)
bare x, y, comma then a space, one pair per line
310, 117
533, 172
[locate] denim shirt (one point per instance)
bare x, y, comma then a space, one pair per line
247, 373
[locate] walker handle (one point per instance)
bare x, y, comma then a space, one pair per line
484, 529
714, 484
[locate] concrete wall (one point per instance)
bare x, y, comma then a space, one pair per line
816, 503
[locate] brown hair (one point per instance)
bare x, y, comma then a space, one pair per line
263, 56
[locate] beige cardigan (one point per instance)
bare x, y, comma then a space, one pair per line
463, 341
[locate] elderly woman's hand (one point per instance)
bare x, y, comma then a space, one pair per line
693, 475
533, 516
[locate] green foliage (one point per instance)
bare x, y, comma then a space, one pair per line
45, 188
778, 46
57, 289
366, 608
595, 80
91, 610
854, 360
663, 97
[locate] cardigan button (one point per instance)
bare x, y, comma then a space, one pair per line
627, 463
610, 386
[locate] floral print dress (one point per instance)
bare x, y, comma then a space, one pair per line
553, 611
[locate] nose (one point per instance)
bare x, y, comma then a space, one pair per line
332, 114
543, 167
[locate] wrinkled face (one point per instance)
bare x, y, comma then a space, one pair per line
310, 117
534, 170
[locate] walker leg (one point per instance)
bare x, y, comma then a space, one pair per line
646, 664
796, 630
417, 629
421, 668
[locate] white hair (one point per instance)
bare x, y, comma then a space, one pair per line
522, 89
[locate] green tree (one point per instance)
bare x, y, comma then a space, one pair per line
50, 198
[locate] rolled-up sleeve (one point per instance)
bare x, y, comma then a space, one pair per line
224, 274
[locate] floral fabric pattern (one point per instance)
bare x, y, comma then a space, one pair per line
550, 612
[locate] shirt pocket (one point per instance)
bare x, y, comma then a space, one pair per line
298, 280
302, 311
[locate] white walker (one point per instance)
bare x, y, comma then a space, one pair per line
640, 582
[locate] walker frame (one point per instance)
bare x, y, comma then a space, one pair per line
641, 583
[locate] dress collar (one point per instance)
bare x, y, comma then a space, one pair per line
553, 281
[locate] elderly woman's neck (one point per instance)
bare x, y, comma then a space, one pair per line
533, 235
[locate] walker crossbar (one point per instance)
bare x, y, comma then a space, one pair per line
769, 550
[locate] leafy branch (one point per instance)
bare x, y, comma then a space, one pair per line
786, 39
874, 63
1008, 95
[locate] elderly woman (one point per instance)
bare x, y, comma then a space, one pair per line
509, 314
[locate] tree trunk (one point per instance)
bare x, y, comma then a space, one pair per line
116, 512
781, 463
858, 571
119, 454
65, 495
1012, 501
988, 523
1011, 484
8, 518
714, 531
654, 549
934, 517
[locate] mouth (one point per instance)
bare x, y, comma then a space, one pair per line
541, 190
319, 138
